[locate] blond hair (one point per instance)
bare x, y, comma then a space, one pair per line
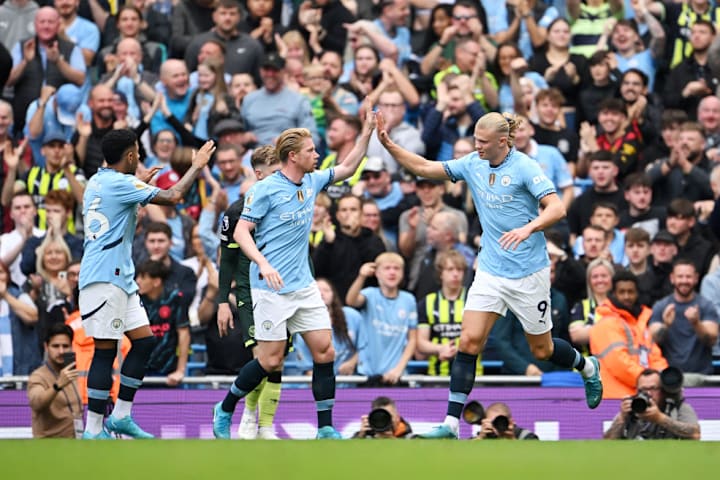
389, 257
598, 262
504, 124
291, 140
293, 38
264, 156
313, 69
323, 200
49, 240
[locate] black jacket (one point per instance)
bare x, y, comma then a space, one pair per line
685, 72
340, 261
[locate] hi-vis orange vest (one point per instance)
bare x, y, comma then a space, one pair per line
84, 348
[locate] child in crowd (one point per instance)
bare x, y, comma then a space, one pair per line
167, 312
388, 332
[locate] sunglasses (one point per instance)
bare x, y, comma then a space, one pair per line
371, 175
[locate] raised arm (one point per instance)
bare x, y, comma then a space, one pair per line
418, 165
354, 298
176, 193
348, 167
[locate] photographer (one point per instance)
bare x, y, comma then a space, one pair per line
658, 411
498, 423
52, 389
383, 421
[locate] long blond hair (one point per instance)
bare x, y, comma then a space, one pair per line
505, 124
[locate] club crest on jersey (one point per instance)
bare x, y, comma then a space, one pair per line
300, 196
225, 223
249, 198
116, 324
491, 180
505, 180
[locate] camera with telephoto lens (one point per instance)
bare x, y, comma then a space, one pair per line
671, 381
380, 421
474, 413
639, 403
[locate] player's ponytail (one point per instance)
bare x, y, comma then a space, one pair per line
513, 122
505, 124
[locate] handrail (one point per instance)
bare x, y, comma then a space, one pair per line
414, 380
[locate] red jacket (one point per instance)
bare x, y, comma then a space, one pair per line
624, 347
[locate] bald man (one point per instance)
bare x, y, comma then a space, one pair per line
44, 59
708, 116
88, 143
174, 79
128, 76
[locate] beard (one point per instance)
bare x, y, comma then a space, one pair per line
684, 290
106, 114
695, 156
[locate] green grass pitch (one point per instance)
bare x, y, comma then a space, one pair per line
358, 459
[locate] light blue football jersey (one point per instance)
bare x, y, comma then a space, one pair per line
506, 197
282, 212
383, 332
110, 206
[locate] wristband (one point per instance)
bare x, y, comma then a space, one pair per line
56, 387
441, 45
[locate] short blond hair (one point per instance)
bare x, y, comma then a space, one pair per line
389, 257
264, 156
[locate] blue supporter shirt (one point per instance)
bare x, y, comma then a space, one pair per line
553, 164
401, 41
282, 212
506, 197
110, 216
642, 61
51, 126
383, 332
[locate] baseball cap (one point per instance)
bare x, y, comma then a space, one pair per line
374, 164
68, 99
167, 179
228, 125
664, 236
273, 60
53, 136
431, 181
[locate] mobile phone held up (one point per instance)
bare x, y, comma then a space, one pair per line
68, 358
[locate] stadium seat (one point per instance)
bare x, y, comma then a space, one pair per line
197, 361
561, 379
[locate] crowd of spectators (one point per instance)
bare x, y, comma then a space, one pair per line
619, 101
